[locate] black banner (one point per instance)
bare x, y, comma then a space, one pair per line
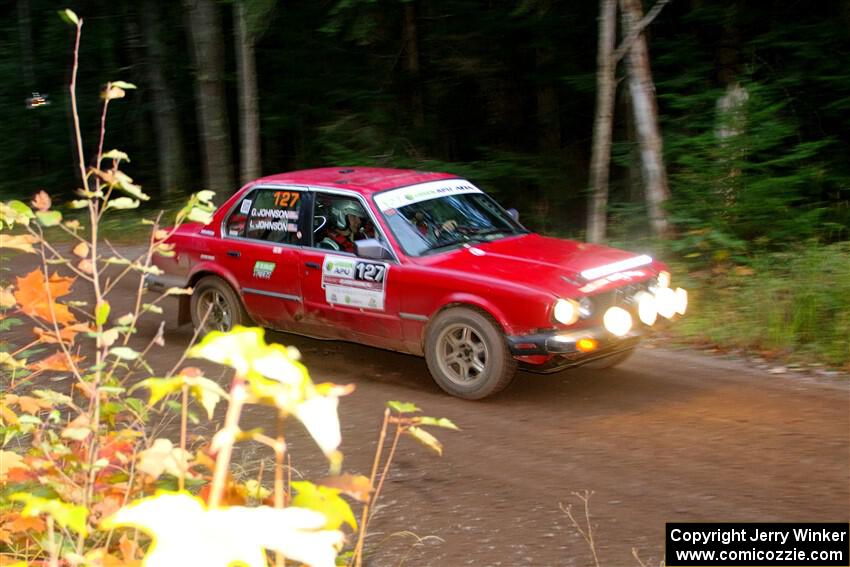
757, 544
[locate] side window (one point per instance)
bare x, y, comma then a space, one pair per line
268, 214
338, 221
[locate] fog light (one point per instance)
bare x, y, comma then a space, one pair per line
647, 308
663, 279
586, 345
617, 321
681, 301
665, 298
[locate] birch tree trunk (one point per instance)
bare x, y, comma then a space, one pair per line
249, 114
205, 37
603, 122
646, 119
169, 139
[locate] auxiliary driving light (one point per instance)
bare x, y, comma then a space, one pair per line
663, 279
667, 302
617, 321
647, 308
681, 301
566, 311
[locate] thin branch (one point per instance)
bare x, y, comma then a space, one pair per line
638, 29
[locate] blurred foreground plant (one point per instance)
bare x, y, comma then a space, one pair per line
77, 465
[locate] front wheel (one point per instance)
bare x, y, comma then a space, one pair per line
216, 307
467, 354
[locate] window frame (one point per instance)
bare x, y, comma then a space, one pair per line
366, 207
307, 204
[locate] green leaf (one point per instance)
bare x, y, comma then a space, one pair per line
124, 353
426, 439
21, 208
55, 398
125, 183
125, 320
441, 422
403, 407
49, 218
197, 215
122, 203
79, 204
126, 86
69, 17
102, 313
152, 308
66, 515
326, 500
116, 154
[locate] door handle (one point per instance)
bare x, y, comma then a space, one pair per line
234, 253
314, 265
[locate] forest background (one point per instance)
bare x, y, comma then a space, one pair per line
502, 93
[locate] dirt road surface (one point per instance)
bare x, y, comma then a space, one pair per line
668, 436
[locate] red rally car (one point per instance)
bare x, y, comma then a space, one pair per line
418, 262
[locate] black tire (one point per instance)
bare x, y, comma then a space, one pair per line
227, 310
467, 354
609, 361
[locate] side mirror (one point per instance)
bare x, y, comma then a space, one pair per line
514, 214
372, 248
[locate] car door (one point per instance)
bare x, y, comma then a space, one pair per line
261, 241
347, 297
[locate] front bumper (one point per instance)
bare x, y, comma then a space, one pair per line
566, 342
561, 347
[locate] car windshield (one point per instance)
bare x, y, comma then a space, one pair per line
438, 216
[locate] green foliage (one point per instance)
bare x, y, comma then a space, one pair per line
794, 303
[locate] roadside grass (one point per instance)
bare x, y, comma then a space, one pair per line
792, 306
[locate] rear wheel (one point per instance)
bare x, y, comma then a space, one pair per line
467, 354
609, 361
216, 307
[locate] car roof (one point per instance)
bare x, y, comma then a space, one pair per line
365, 180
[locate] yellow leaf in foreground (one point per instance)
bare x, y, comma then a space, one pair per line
9, 461
22, 242
185, 532
162, 457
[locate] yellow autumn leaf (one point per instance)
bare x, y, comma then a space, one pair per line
164, 457
185, 532
22, 242
81, 250
9, 461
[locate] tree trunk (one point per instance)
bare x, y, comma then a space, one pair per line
646, 119
600, 160
166, 120
249, 115
205, 38
411, 47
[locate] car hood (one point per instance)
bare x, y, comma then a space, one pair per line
549, 264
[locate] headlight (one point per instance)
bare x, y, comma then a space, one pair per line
647, 307
663, 279
566, 311
667, 302
617, 321
681, 301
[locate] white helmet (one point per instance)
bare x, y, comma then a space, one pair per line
340, 209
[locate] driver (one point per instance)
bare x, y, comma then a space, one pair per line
427, 227
349, 224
